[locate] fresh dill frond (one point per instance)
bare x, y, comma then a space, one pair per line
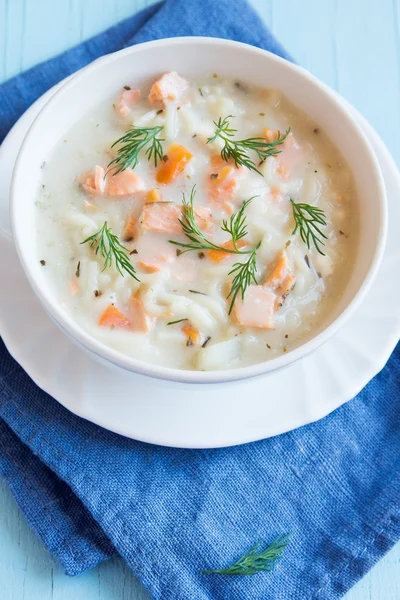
308, 220
133, 142
197, 239
244, 273
255, 560
238, 149
110, 248
237, 227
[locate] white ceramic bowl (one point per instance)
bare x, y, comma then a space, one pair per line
192, 57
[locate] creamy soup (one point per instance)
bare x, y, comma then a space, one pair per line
197, 224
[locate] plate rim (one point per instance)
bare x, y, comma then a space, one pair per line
44, 383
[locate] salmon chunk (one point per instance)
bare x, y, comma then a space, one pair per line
94, 182
112, 317
275, 194
169, 88
192, 334
291, 155
257, 308
126, 99
155, 254
203, 216
163, 217
173, 163
222, 183
218, 255
140, 320
97, 183
279, 271
124, 184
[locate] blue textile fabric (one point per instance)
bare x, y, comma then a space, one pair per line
89, 493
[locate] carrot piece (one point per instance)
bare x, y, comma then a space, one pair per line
271, 135
279, 271
148, 267
217, 255
283, 290
217, 161
174, 164
129, 231
218, 178
153, 196
112, 317
192, 334
287, 285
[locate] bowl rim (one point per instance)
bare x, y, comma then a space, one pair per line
104, 352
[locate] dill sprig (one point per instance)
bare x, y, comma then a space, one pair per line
238, 149
237, 224
245, 272
110, 248
308, 218
178, 321
197, 239
255, 560
130, 144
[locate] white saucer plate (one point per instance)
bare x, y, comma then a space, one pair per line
199, 416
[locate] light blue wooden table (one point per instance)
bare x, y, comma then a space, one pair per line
353, 45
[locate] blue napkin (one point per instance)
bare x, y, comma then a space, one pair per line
169, 513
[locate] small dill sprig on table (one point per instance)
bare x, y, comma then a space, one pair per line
255, 560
